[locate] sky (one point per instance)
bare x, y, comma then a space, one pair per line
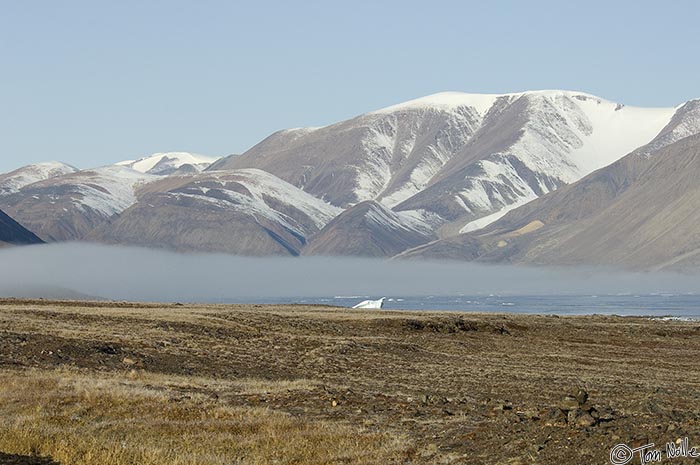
94, 82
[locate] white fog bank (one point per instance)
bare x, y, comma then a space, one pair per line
124, 273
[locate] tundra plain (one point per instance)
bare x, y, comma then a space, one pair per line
116, 383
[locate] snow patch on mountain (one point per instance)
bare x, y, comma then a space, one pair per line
257, 192
393, 143
566, 136
108, 190
445, 101
571, 135
261, 183
374, 175
15, 180
495, 183
616, 131
166, 163
422, 221
392, 220
484, 221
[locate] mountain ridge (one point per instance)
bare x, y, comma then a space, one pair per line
408, 155
638, 213
438, 171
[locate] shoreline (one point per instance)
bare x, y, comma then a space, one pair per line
324, 303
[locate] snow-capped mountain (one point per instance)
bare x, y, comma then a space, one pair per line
248, 212
68, 207
392, 154
531, 144
461, 156
426, 177
15, 180
59, 202
641, 212
169, 163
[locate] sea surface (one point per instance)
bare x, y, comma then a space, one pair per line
656, 305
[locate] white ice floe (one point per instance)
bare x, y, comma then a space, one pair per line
371, 303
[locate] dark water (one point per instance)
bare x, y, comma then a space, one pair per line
677, 305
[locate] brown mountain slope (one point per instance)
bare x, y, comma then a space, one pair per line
68, 207
368, 229
641, 212
244, 212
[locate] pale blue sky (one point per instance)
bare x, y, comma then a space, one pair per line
93, 82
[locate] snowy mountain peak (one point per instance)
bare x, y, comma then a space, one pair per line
168, 162
54, 168
108, 190
15, 180
447, 101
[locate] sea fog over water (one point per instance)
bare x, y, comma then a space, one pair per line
72, 270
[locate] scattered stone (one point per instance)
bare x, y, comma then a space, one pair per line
430, 399
585, 421
581, 396
528, 414
603, 414
553, 417
569, 403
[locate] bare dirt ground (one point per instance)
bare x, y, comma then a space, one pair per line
440, 387
13, 459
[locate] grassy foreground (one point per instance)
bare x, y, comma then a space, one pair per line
112, 420
120, 383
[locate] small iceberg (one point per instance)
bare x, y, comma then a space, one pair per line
371, 303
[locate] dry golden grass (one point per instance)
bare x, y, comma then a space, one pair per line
112, 420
